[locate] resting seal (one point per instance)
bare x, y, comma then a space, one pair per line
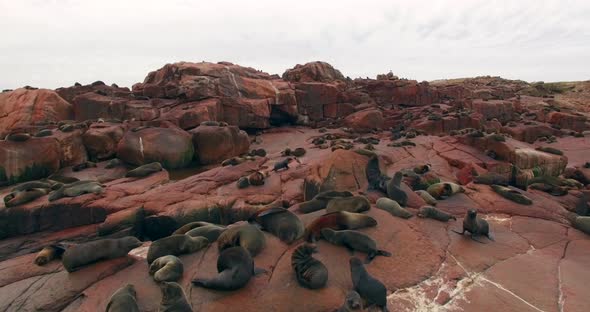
394, 190
320, 201
512, 195
354, 241
284, 164
444, 190
426, 197
175, 245
393, 208
280, 222
352, 302
310, 272
48, 253
208, 230
173, 298
246, 235
476, 226
341, 220
167, 269
491, 178
235, 267
123, 300
84, 165
76, 189
582, 224
44, 133
350, 204
144, 171
18, 137
433, 213
23, 197
115, 162
79, 255
32, 185
368, 287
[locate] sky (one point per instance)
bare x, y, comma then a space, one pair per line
54, 43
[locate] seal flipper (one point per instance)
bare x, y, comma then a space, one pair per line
490, 237
199, 282
383, 253
258, 271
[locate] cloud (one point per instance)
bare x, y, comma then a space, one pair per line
56, 43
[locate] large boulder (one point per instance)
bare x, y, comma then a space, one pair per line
69, 93
24, 107
313, 71
312, 97
401, 92
172, 147
214, 144
73, 151
32, 159
568, 121
101, 139
365, 120
502, 110
191, 114
93, 105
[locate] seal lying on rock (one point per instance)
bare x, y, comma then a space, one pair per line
175, 245
433, 213
320, 201
144, 171
476, 226
280, 222
310, 272
245, 235
393, 208
284, 164
341, 220
354, 241
167, 269
84, 165
23, 197
200, 228
115, 162
426, 197
18, 137
173, 298
581, 223
123, 300
350, 204
32, 185
76, 189
512, 195
352, 302
368, 287
48, 253
79, 255
235, 267
444, 190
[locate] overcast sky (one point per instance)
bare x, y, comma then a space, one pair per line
53, 43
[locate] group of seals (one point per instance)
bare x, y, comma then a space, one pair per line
298, 152
254, 179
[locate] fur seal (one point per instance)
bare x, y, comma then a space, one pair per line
394, 190
173, 298
79, 255
18, 137
208, 230
376, 179
167, 269
444, 190
393, 208
512, 195
283, 164
243, 182
256, 178
368, 287
48, 253
115, 162
421, 169
32, 185
320, 201
235, 267
354, 241
66, 128
476, 226
582, 207
280, 222
582, 224
298, 152
340, 220
144, 171
84, 165
23, 197
76, 189
175, 245
426, 197
350, 204
44, 133
491, 178
352, 302
310, 272
246, 235
123, 300
433, 213
63, 179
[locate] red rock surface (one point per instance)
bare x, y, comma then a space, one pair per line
537, 262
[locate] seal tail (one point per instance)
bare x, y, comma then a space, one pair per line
490, 237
